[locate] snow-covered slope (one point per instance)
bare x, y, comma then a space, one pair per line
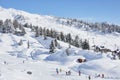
16, 61
96, 38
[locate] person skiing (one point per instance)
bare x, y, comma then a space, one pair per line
102, 75
5, 62
69, 72
57, 71
66, 73
60, 70
23, 61
89, 77
79, 73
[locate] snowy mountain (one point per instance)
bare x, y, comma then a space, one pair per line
27, 57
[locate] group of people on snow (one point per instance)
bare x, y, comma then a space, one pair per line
79, 73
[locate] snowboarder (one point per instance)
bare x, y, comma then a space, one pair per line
79, 73
89, 77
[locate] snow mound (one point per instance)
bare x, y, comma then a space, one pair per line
36, 53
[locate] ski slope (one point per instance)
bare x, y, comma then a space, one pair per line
20, 59
16, 61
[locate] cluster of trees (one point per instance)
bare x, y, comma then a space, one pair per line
39, 31
54, 44
116, 54
9, 26
103, 27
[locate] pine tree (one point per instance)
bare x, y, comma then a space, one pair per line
28, 45
56, 43
69, 38
21, 42
1, 25
47, 32
51, 33
36, 32
16, 24
62, 37
23, 31
85, 45
52, 47
76, 41
41, 31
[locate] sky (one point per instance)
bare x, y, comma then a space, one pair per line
89, 10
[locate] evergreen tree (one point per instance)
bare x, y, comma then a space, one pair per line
76, 41
41, 31
21, 42
36, 32
47, 32
8, 26
1, 25
28, 45
62, 37
23, 31
69, 38
16, 24
51, 33
52, 47
85, 45
56, 43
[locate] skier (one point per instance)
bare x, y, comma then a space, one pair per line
89, 77
66, 73
23, 61
57, 71
69, 72
60, 70
79, 73
102, 75
5, 62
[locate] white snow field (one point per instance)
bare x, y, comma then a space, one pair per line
16, 61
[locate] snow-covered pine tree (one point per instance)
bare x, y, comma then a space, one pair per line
21, 42
76, 41
56, 43
52, 47
41, 31
28, 44
36, 32
15, 23
69, 38
1, 25
85, 44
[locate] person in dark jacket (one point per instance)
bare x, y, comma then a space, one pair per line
89, 77
79, 73
57, 71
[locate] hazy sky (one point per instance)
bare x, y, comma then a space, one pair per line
92, 10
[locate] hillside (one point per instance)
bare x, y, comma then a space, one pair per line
32, 55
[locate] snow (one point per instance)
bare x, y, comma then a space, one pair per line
19, 59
